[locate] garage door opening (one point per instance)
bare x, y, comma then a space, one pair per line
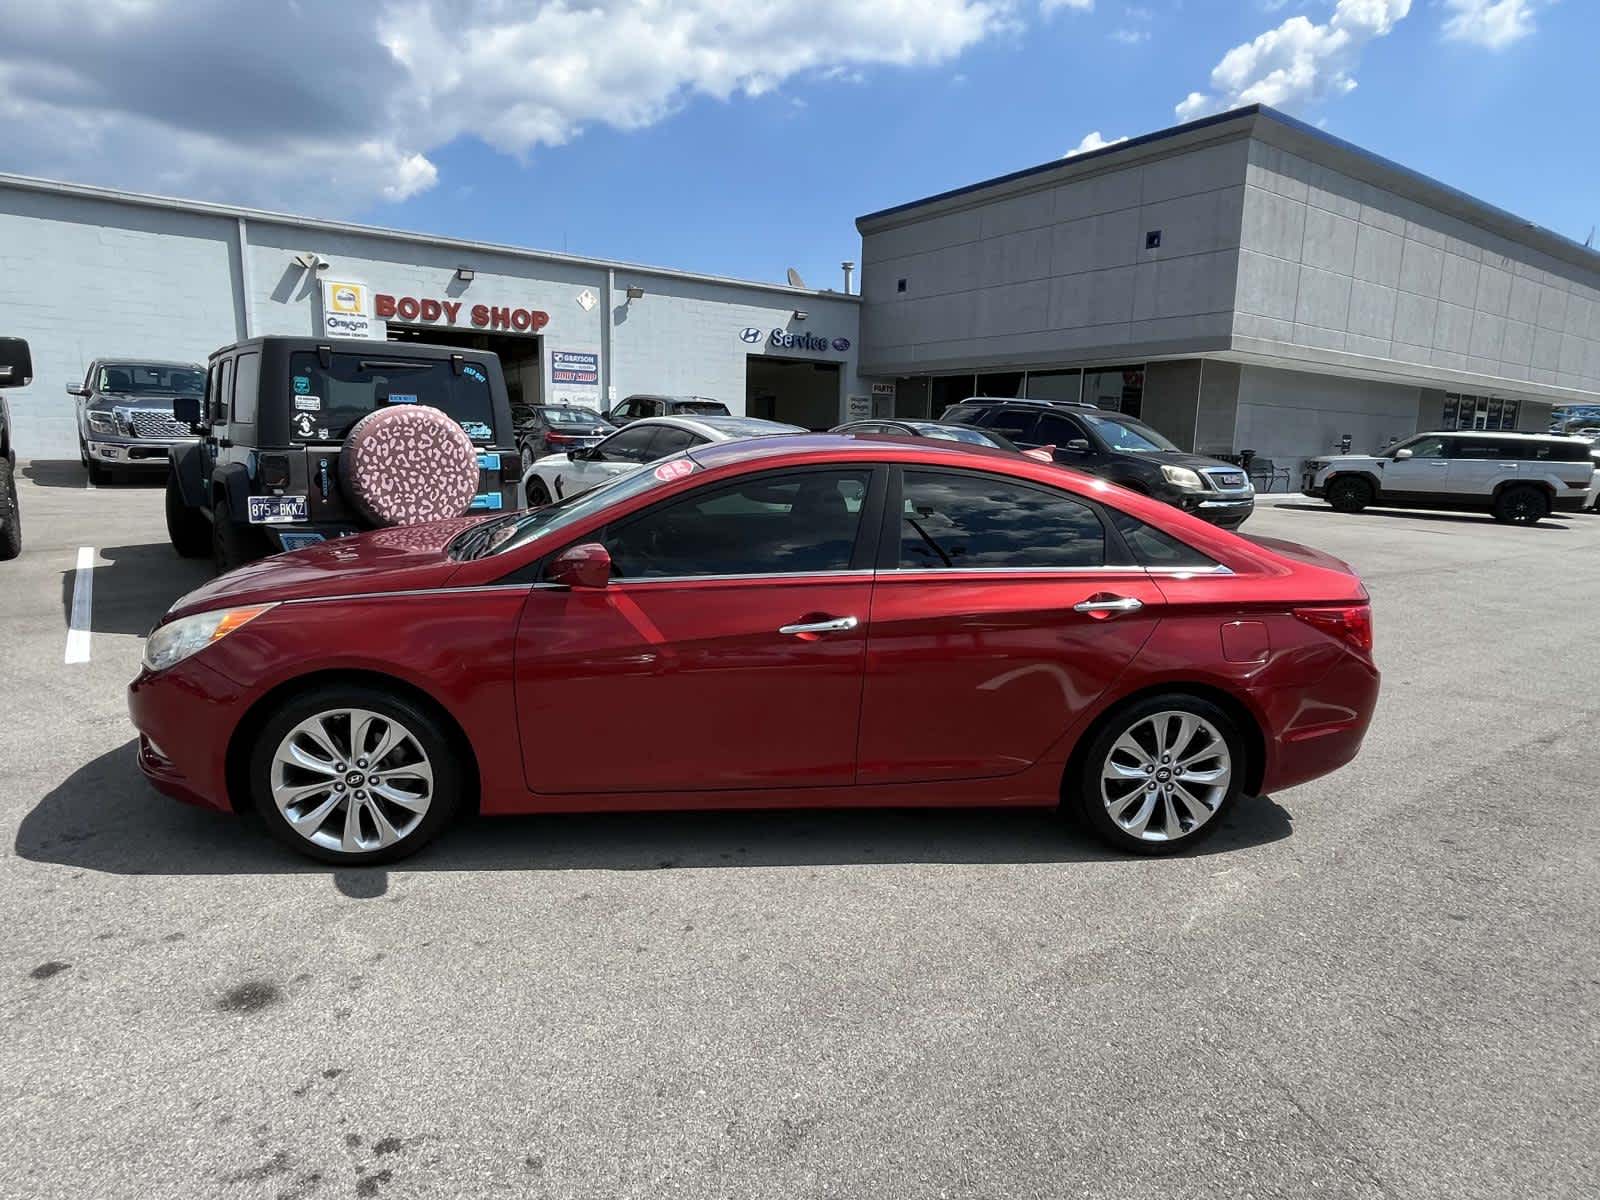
520, 359
796, 391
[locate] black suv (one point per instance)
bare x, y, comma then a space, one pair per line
16, 370
1120, 448
264, 476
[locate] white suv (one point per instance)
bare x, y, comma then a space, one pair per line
1519, 477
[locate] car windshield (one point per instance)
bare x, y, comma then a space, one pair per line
708, 407
329, 400
507, 533
147, 379
1124, 433
561, 415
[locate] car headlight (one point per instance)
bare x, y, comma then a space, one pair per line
175, 641
103, 423
1182, 477
1314, 465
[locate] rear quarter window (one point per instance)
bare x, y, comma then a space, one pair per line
1153, 548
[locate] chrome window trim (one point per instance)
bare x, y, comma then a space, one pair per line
407, 592
846, 573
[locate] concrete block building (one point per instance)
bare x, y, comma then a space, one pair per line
91, 273
1243, 282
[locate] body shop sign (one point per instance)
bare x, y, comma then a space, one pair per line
573, 369
425, 310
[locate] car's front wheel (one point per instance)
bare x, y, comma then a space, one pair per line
10, 514
538, 494
1159, 773
1349, 494
354, 775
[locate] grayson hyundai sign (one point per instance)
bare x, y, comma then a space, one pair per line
783, 340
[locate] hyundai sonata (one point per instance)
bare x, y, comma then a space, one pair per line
808, 621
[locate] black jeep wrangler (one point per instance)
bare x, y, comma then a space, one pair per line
264, 476
16, 370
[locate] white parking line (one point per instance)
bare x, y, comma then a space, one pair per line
82, 604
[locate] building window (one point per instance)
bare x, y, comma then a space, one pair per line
1119, 389
947, 390
1054, 385
1005, 384
1152, 240
1478, 412
900, 285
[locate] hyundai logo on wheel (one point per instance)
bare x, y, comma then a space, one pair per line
750, 334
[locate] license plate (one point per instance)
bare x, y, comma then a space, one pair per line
276, 510
1231, 479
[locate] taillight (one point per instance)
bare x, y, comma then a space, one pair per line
556, 439
1351, 624
273, 471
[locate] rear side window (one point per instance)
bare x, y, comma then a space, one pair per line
1014, 423
1057, 429
964, 414
670, 439
1553, 452
955, 521
760, 526
1153, 548
246, 382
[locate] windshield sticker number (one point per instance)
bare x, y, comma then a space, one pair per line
402, 398
308, 404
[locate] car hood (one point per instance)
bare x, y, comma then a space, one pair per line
1180, 458
1344, 460
386, 560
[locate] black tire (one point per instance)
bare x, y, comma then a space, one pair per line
99, 473
1521, 504
10, 513
525, 453
418, 720
187, 529
232, 544
1083, 793
1350, 493
538, 494
83, 452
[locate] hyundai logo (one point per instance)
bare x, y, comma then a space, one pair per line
841, 344
750, 334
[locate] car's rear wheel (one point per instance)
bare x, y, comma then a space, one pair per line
1521, 505
10, 513
233, 545
351, 774
1159, 773
187, 528
1349, 494
538, 494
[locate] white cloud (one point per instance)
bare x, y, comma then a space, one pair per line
1050, 6
336, 107
1491, 23
1130, 37
1092, 141
1298, 63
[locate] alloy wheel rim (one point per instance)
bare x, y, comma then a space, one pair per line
351, 780
1166, 776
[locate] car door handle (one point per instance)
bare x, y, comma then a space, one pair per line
832, 625
1108, 604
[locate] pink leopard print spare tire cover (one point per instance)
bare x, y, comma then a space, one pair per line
408, 464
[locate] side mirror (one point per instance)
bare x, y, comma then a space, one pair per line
77, 389
1077, 445
186, 410
16, 363
582, 454
583, 566
1402, 455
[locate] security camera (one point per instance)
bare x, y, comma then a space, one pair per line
311, 261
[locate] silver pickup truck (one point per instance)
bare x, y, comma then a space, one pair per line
124, 410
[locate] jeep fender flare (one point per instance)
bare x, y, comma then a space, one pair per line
191, 483
233, 482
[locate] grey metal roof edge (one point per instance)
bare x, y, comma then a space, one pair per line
1384, 171
267, 216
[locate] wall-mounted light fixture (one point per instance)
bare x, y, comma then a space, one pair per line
635, 292
311, 261
800, 314
466, 274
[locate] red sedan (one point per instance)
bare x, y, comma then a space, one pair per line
796, 621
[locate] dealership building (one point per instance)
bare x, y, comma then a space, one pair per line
1243, 283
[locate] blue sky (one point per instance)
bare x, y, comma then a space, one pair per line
680, 133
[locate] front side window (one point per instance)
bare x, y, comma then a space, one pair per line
764, 525
670, 439
327, 401
955, 521
631, 445
1424, 447
1057, 429
1125, 433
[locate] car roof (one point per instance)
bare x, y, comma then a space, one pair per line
672, 399
823, 447
1501, 434
721, 428
147, 362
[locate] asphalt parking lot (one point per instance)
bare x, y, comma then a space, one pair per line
1385, 983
